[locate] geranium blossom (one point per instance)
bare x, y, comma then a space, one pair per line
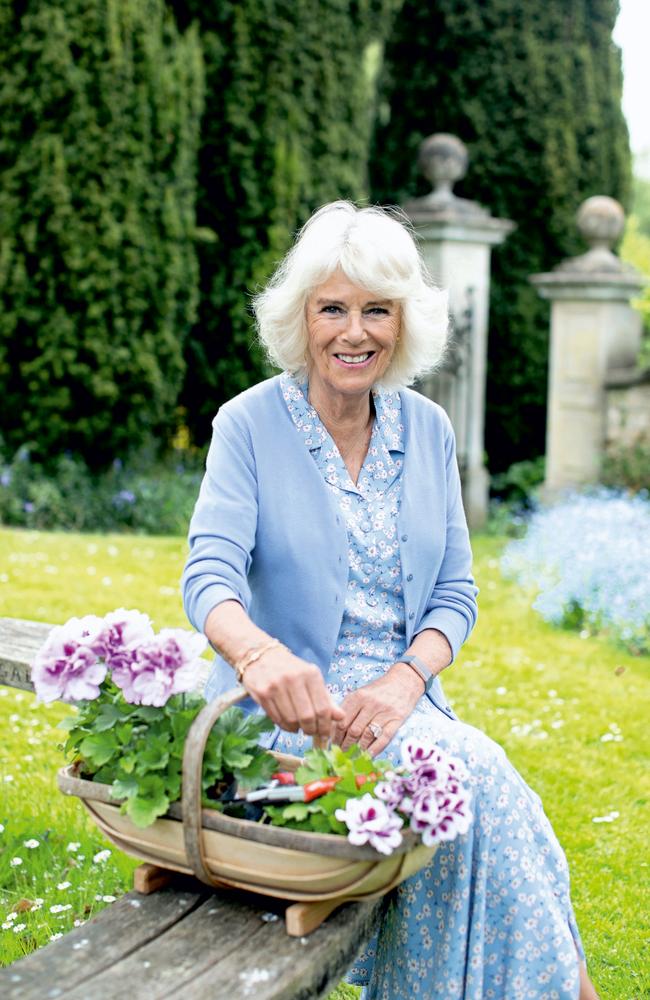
429, 788
371, 822
76, 658
440, 815
168, 664
67, 666
124, 631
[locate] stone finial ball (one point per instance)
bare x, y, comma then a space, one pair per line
601, 221
443, 159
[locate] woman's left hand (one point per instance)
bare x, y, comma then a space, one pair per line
385, 703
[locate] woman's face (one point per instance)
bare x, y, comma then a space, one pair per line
352, 336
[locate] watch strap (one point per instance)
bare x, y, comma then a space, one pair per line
420, 668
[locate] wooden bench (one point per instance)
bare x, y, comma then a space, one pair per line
182, 940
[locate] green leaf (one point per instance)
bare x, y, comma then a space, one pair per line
107, 716
297, 810
150, 802
99, 748
124, 788
128, 762
69, 723
258, 772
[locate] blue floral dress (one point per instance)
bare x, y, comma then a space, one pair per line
490, 917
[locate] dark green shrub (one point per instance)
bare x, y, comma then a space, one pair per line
289, 95
99, 121
519, 483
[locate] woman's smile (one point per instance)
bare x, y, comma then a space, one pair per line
355, 360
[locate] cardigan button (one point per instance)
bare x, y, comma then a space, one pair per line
405, 538
411, 615
409, 577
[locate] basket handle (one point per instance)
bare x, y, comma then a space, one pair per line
191, 796
191, 804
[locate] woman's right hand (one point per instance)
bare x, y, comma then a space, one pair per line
292, 692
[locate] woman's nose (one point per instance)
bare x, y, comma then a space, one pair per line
355, 331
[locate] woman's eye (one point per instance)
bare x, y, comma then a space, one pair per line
377, 311
332, 310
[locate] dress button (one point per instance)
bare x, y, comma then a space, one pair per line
409, 577
405, 538
411, 615
366, 526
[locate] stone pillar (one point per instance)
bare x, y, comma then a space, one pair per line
456, 237
594, 332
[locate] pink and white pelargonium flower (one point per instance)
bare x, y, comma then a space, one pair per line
149, 668
369, 821
125, 631
169, 663
428, 788
67, 666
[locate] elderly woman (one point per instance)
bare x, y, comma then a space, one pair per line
330, 567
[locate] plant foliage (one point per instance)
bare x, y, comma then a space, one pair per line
138, 749
289, 110
319, 815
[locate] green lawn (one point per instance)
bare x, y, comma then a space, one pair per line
571, 711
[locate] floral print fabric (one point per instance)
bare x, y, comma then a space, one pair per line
490, 917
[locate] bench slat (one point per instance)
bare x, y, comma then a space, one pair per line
85, 951
20, 640
182, 943
188, 947
273, 966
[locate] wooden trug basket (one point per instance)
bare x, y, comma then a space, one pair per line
317, 871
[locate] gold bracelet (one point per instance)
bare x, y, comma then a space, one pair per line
251, 656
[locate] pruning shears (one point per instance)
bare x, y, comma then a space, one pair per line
283, 788
285, 792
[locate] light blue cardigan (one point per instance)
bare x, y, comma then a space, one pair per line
266, 532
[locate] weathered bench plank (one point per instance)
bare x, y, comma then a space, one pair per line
182, 941
20, 640
83, 952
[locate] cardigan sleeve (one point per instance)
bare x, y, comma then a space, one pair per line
452, 607
223, 526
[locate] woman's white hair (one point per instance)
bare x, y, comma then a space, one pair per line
376, 250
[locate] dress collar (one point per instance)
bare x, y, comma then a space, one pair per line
388, 415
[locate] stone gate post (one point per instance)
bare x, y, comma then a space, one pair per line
594, 331
456, 237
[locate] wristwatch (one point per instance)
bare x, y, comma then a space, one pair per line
421, 668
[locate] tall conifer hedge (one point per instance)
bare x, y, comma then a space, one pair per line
100, 104
287, 124
534, 89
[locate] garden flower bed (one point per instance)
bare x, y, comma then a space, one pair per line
586, 559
